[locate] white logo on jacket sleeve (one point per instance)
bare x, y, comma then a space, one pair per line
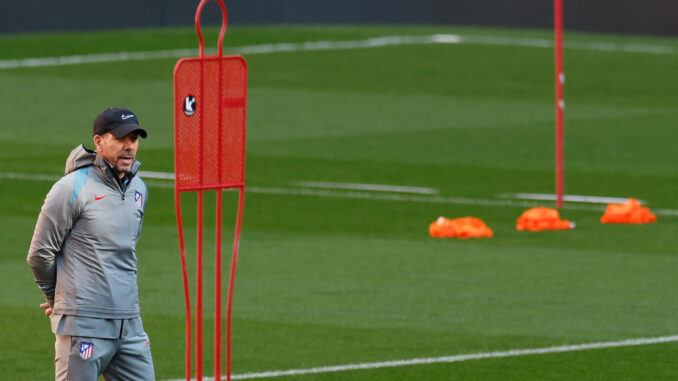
139, 198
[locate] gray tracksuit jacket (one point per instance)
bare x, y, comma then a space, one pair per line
83, 252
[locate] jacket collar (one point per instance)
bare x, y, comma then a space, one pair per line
111, 173
78, 158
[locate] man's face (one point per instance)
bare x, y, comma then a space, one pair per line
119, 152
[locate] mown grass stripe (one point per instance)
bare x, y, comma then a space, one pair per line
374, 42
366, 195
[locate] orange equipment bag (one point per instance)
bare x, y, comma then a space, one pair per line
465, 227
630, 212
542, 218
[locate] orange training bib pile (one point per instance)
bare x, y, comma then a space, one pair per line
630, 212
465, 227
542, 218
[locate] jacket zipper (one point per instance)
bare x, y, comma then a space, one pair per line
111, 175
117, 183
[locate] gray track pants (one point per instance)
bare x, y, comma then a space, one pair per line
85, 359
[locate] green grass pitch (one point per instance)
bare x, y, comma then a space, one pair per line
335, 280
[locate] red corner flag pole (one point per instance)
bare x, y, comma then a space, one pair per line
560, 101
210, 104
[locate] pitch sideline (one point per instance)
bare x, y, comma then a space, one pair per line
455, 358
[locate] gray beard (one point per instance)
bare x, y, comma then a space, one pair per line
121, 170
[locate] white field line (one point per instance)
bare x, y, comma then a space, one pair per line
364, 195
366, 187
430, 199
157, 175
411, 198
570, 197
456, 358
375, 42
399, 197
26, 176
581, 45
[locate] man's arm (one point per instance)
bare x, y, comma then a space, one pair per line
54, 224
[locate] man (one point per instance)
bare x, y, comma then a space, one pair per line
83, 256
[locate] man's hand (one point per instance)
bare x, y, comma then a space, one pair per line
47, 308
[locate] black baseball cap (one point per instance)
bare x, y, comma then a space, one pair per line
118, 121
